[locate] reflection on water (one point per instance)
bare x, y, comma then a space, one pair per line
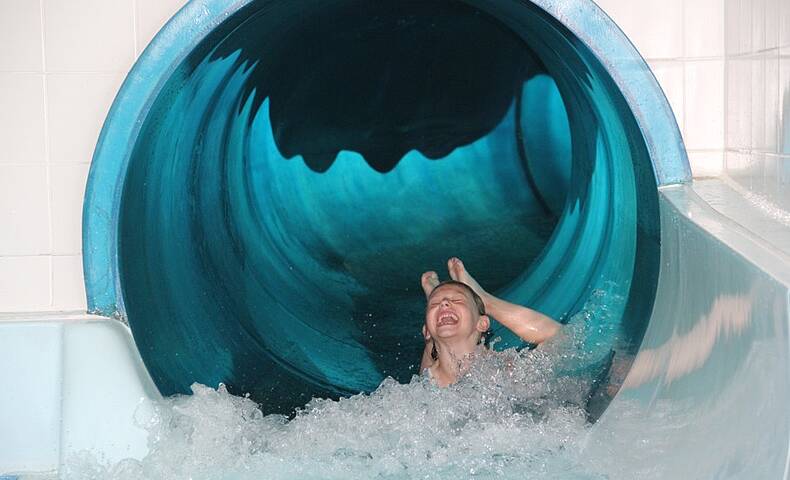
682, 354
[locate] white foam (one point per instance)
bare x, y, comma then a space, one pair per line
509, 416
513, 415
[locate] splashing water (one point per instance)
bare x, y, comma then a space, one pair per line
512, 415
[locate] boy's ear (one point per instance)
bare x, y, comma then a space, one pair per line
483, 323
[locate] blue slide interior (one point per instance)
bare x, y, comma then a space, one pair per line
308, 160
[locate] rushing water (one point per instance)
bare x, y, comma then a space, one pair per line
483, 427
512, 415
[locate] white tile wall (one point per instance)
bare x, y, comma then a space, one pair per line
25, 283
744, 26
707, 164
704, 27
151, 15
772, 12
67, 188
684, 44
770, 140
22, 137
783, 121
20, 27
671, 77
25, 213
758, 24
731, 39
757, 91
758, 96
704, 114
68, 287
78, 105
784, 23
60, 67
89, 35
654, 26
739, 103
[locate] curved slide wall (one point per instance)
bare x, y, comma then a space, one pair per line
274, 176
707, 394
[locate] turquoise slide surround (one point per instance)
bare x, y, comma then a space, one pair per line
274, 176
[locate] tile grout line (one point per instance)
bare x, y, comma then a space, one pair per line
683, 61
705, 58
705, 150
47, 154
778, 91
37, 255
63, 72
42, 163
683, 26
725, 89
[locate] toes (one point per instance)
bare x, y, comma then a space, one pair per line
455, 267
429, 280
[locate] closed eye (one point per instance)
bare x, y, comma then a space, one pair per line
456, 300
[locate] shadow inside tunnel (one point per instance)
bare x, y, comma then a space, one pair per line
380, 78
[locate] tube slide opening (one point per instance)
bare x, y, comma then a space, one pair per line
275, 175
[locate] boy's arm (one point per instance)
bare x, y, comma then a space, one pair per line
530, 325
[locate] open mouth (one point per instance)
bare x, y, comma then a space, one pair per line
447, 319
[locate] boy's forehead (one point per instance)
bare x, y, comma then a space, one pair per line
450, 286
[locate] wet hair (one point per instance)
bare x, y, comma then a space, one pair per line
481, 308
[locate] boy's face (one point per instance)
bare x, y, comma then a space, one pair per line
451, 312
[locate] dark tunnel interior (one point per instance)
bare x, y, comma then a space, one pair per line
309, 160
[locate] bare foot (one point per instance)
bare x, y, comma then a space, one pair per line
429, 280
458, 272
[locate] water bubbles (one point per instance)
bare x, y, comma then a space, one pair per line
513, 414
508, 416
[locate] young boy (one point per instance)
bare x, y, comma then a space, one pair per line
456, 318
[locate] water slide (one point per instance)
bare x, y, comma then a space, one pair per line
273, 177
